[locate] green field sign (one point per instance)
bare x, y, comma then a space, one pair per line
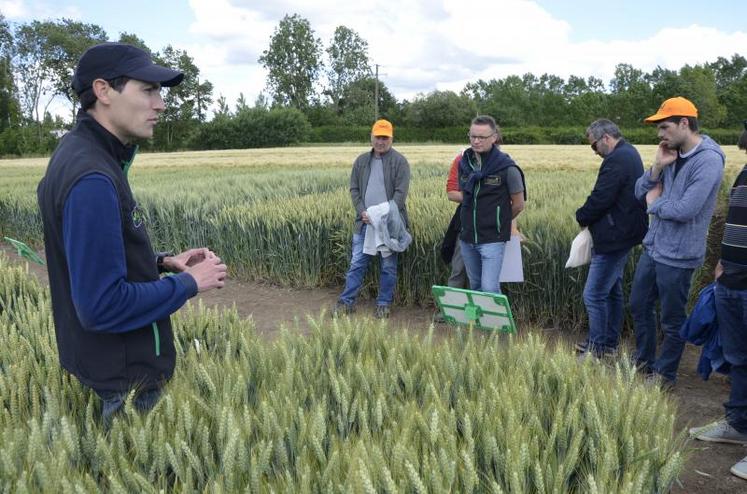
490, 311
25, 251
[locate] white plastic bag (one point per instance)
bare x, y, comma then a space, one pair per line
580, 250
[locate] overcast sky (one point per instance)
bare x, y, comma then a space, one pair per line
423, 45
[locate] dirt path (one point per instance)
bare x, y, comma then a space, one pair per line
699, 402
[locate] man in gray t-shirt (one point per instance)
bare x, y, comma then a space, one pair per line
375, 192
378, 176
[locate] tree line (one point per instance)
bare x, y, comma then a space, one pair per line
37, 62
317, 92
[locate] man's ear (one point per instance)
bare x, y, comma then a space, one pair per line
101, 89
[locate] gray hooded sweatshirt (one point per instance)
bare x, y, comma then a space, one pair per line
680, 216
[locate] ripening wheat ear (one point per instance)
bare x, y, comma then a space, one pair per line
352, 407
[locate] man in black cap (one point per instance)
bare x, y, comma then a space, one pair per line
111, 309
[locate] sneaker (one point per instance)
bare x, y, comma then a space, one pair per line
654, 379
721, 432
740, 469
382, 312
581, 346
342, 309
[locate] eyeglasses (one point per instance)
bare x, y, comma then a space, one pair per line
473, 137
594, 144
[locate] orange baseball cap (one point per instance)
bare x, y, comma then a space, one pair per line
674, 107
382, 128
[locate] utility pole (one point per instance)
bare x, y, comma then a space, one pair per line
376, 94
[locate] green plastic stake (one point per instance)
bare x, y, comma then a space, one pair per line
25, 251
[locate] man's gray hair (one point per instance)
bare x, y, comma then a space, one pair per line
603, 126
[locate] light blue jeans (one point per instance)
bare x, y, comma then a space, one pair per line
483, 263
357, 272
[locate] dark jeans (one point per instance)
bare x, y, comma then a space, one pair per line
603, 297
731, 311
458, 276
113, 401
669, 285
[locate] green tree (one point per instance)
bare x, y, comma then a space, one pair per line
33, 71
665, 83
631, 98
134, 40
8, 103
186, 104
731, 86
223, 111
506, 100
46, 56
586, 100
348, 62
699, 85
66, 42
357, 102
293, 62
440, 109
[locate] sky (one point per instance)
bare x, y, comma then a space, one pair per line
423, 45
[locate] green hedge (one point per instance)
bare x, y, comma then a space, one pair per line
522, 135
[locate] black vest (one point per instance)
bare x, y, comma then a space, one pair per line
144, 357
486, 212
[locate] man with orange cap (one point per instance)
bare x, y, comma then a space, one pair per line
381, 175
680, 190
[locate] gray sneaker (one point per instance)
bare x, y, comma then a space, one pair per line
740, 468
721, 432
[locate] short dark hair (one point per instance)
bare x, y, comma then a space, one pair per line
489, 121
692, 122
742, 144
88, 97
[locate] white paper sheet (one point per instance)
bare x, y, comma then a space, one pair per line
513, 269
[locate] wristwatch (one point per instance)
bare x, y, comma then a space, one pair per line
160, 256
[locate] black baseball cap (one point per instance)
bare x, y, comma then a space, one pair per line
111, 60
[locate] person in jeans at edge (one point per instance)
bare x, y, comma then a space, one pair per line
680, 190
731, 314
111, 310
493, 194
379, 175
617, 221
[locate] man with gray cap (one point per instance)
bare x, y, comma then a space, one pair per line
111, 309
